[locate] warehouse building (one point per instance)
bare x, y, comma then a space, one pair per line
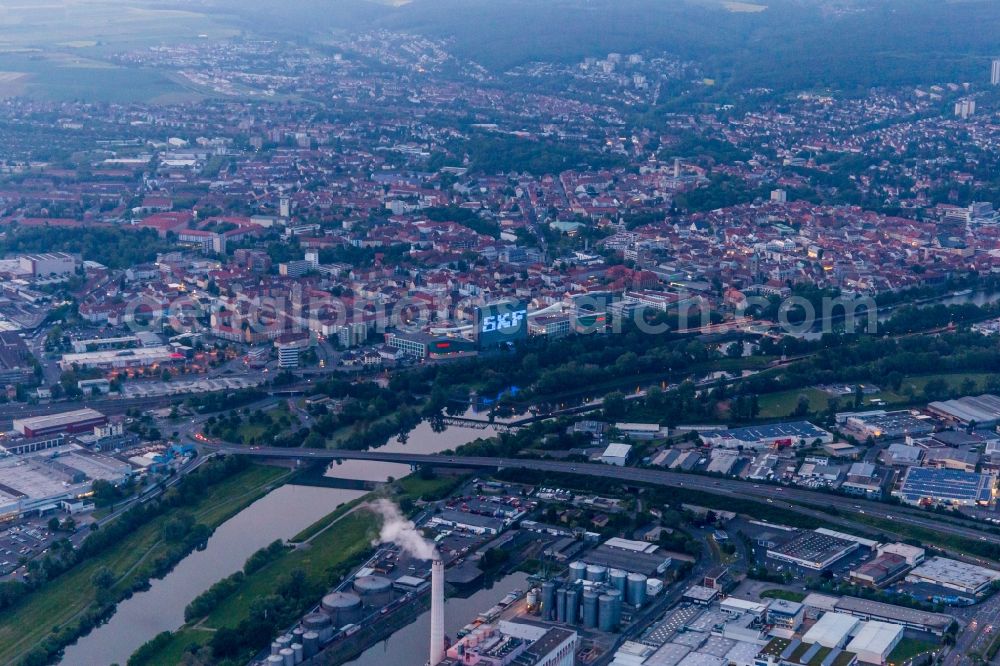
883, 425
913, 555
616, 454
17, 445
983, 410
884, 569
48, 263
875, 641
866, 609
776, 435
78, 421
832, 630
813, 550
962, 459
120, 359
954, 575
468, 522
631, 556
923, 485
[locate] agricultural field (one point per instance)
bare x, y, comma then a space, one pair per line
59, 51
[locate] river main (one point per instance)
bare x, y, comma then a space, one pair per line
280, 515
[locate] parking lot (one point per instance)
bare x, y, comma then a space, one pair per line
22, 541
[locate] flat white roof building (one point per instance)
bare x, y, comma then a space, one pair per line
832, 630
631, 544
875, 641
121, 358
740, 606
913, 555
616, 454
954, 575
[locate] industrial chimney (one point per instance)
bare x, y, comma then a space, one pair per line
437, 612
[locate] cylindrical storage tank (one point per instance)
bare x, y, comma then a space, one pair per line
548, 600
616, 608
577, 571
373, 590
605, 613
533, 598
596, 573
618, 578
288, 656
342, 607
321, 623
316, 621
299, 651
590, 609
275, 660
561, 606
636, 590
297, 634
284, 641
275, 646
573, 605
310, 644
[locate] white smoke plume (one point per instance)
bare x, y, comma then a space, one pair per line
397, 529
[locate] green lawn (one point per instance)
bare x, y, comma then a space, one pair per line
416, 488
908, 648
918, 382
61, 600
779, 405
783, 403
325, 521
787, 595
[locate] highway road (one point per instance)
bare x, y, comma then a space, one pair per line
850, 509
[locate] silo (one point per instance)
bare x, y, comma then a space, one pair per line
573, 605
618, 578
299, 652
548, 600
275, 646
616, 608
288, 656
561, 605
297, 634
533, 598
284, 641
310, 644
636, 590
596, 573
275, 660
577, 571
590, 609
342, 607
321, 623
606, 613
